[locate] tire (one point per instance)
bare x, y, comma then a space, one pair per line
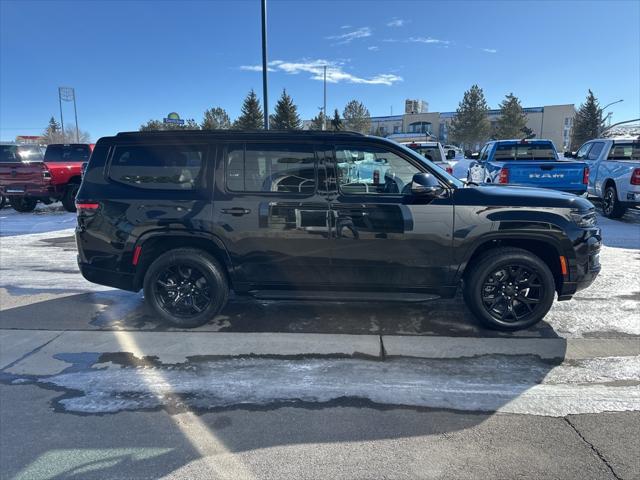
3, 201
23, 204
69, 198
488, 293
611, 207
200, 300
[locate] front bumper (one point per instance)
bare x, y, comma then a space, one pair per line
585, 267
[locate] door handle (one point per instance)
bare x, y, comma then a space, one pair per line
236, 211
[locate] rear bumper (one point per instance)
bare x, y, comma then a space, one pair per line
110, 278
31, 190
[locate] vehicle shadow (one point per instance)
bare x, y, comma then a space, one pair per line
115, 309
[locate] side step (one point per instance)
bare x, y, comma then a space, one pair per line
343, 296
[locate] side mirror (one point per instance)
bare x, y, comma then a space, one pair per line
425, 184
569, 155
451, 154
475, 155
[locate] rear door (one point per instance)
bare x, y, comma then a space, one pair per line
382, 237
270, 207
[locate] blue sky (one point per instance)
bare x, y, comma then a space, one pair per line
133, 61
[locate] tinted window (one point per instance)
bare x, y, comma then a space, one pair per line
430, 153
161, 167
372, 170
524, 151
20, 153
271, 168
67, 153
625, 151
8, 153
594, 153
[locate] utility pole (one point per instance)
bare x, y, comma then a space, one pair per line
324, 103
75, 112
264, 64
60, 102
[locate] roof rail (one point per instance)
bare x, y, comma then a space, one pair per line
243, 132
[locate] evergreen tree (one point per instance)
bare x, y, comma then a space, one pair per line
152, 125
527, 132
336, 121
286, 116
471, 125
318, 122
215, 119
356, 117
587, 122
53, 132
512, 118
251, 117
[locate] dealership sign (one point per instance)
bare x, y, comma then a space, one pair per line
173, 117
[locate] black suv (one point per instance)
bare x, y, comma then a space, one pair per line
187, 216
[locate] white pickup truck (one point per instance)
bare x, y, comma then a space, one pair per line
614, 172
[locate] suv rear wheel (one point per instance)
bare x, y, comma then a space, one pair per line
509, 289
610, 205
186, 287
23, 204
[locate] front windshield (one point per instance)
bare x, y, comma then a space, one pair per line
625, 152
451, 180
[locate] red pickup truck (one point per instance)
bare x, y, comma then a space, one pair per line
25, 181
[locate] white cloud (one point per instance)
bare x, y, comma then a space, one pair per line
351, 36
396, 22
490, 50
430, 40
255, 68
335, 72
373, 48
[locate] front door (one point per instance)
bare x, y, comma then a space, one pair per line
272, 215
382, 237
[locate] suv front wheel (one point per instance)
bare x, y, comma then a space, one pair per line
509, 289
186, 287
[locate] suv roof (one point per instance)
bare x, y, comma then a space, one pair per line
221, 133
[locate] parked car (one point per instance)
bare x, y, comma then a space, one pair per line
190, 215
532, 163
433, 152
614, 165
54, 177
11, 153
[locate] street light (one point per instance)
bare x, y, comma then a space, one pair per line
608, 115
264, 63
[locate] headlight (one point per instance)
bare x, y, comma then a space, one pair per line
584, 219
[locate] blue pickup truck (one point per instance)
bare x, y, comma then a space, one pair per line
530, 163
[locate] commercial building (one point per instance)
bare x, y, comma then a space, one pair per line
553, 122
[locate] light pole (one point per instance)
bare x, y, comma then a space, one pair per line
605, 118
68, 94
264, 64
324, 102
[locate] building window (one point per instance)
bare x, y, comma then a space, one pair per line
396, 129
420, 127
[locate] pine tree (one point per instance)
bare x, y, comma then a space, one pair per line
512, 119
587, 123
336, 121
356, 117
153, 125
318, 122
216, 119
286, 114
471, 125
251, 117
53, 132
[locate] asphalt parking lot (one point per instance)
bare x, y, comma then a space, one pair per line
92, 386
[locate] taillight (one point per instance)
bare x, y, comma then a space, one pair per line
635, 177
585, 176
503, 177
87, 206
46, 174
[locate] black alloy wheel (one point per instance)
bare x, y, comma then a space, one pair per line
182, 290
511, 293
